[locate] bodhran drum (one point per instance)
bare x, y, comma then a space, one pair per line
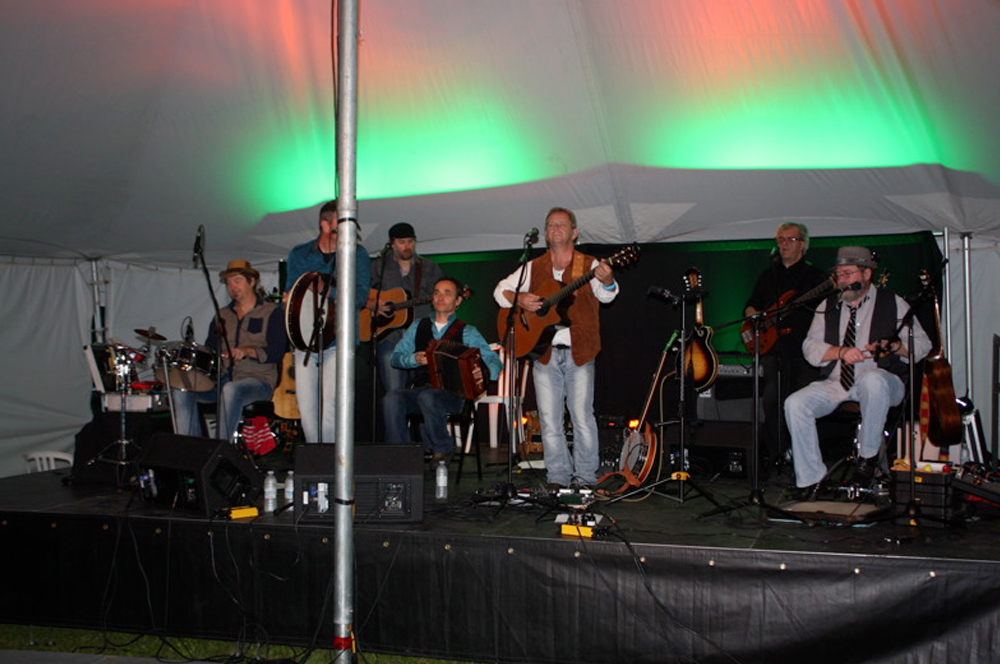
301, 313
190, 366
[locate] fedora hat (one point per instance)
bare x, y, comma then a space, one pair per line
860, 256
240, 266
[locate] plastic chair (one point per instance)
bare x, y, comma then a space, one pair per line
38, 462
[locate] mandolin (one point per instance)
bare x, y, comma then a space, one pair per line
944, 427
701, 363
533, 330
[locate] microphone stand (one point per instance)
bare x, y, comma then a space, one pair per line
512, 374
220, 329
373, 326
316, 341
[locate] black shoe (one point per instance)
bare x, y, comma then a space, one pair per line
804, 494
864, 472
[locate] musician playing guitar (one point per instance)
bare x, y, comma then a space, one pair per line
564, 373
784, 369
398, 274
433, 404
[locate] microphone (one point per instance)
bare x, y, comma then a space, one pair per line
531, 236
199, 246
855, 286
189, 331
660, 291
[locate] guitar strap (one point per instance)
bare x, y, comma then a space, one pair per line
416, 277
577, 268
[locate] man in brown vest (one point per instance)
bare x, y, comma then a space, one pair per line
564, 373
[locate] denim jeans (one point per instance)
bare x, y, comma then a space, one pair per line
306, 385
235, 395
390, 377
434, 405
559, 383
875, 391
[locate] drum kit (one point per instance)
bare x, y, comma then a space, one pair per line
188, 366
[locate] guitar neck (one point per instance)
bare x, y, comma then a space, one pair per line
554, 299
818, 290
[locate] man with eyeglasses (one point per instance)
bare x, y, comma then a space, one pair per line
853, 340
784, 368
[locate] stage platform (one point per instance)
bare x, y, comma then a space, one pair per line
479, 581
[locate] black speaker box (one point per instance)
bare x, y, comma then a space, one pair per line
388, 482
196, 474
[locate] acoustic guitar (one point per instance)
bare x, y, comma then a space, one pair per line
701, 363
400, 314
769, 330
533, 330
286, 405
944, 427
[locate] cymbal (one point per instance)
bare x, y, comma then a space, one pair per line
151, 334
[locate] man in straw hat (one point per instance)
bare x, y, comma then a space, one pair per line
853, 340
252, 345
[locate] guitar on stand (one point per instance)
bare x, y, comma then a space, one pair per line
700, 364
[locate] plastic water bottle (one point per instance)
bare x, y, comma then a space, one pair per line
441, 481
290, 487
270, 493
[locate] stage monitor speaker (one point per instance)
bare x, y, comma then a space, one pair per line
388, 482
196, 474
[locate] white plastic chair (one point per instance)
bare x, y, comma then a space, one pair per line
38, 462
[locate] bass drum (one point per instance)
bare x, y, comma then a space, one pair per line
301, 313
190, 367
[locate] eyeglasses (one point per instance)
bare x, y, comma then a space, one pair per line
787, 240
846, 274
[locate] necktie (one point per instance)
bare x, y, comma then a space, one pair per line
847, 370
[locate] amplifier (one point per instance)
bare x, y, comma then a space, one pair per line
388, 482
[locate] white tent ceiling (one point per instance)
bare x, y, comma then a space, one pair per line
126, 125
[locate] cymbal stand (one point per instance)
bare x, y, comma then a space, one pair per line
123, 371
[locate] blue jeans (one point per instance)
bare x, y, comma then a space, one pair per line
235, 395
875, 391
390, 377
306, 386
562, 382
434, 405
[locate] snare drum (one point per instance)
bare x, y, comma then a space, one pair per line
191, 367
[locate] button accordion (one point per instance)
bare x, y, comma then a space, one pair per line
456, 368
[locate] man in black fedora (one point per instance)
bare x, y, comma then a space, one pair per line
853, 340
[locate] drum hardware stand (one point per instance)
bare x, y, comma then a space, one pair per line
123, 371
680, 475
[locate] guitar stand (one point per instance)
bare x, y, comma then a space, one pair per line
682, 477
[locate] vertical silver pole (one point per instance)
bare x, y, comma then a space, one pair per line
98, 333
347, 241
967, 270
946, 342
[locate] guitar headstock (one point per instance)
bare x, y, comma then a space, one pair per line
624, 257
692, 279
925, 277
